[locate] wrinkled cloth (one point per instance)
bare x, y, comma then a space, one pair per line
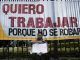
39, 48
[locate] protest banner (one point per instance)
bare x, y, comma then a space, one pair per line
58, 20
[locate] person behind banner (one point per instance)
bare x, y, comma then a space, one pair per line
39, 47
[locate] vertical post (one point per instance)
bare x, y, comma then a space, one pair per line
8, 50
60, 47
13, 49
50, 46
74, 45
17, 48
65, 47
56, 50
3, 52
69, 45
79, 48
22, 50
27, 47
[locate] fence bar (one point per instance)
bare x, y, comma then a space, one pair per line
22, 49
79, 47
65, 46
73, 45
56, 49
17, 48
13, 49
8, 51
3, 52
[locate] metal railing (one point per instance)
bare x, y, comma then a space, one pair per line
20, 49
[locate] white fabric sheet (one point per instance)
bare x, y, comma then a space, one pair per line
39, 48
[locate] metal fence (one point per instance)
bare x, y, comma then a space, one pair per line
12, 50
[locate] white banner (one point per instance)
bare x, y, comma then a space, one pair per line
39, 48
20, 20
